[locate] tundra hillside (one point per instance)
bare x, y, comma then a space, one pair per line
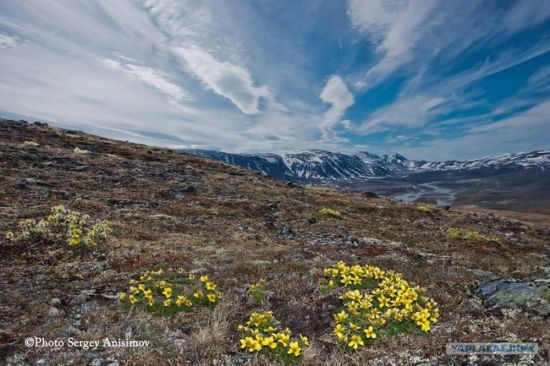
488, 273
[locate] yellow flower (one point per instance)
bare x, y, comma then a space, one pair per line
141, 286
248, 342
369, 332
122, 296
254, 345
167, 302
340, 317
148, 294
353, 326
198, 294
383, 301
269, 342
212, 297
203, 279
294, 349
191, 277
356, 341
339, 328
341, 337
151, 301
133, 299
304, 340
346, 280
167, 292
283, 338
424, 325
181, 300
211, 286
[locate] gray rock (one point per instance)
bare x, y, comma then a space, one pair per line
370, 241
236, 360
55, 302
54, 312
513, 294
80, 299
87, 306
483, 275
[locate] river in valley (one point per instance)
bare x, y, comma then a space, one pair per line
442, 196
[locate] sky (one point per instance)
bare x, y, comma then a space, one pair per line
430, 79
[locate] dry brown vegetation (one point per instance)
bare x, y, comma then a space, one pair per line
175, 210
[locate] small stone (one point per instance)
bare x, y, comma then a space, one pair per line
80, 299
54, 312
55, 302
72, 331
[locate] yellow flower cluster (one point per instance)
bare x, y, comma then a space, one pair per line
78, 150
168, 292
262, 334
377, 303
428, 208
469, 234
62, 226
330, 212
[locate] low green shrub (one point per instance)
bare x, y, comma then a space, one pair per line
330, 212
375, 304
62, 226
169, 292
471, 235
263, 334
258, 292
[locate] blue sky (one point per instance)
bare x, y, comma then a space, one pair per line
430, 79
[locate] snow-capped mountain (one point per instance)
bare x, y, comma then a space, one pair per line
325, 165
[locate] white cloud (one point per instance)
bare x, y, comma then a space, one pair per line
150, 76
409, 111
226, 79
185, 65
412, 33
529, 128
7, 41
336, 94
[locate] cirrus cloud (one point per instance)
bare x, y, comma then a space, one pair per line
224, 78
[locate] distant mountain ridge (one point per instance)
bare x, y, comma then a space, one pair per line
312, 165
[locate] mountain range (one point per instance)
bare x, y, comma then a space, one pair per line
315, 165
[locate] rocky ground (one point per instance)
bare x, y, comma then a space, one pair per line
175, 210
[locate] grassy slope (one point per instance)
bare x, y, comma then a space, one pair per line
238, 226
